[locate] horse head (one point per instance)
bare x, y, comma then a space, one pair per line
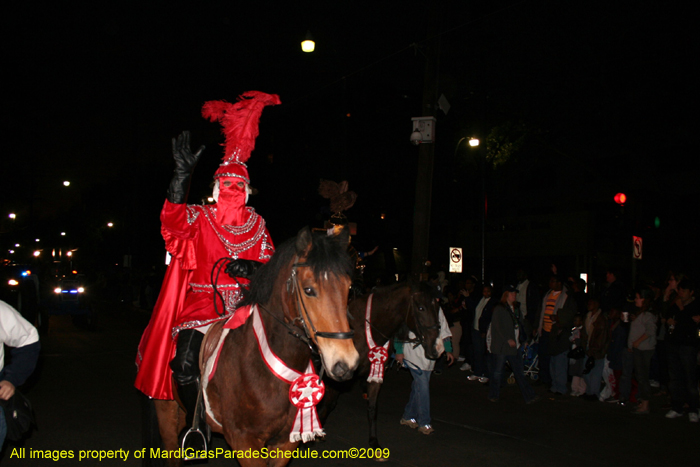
423, 319
318, 288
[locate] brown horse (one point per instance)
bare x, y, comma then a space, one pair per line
394, 311
301, 295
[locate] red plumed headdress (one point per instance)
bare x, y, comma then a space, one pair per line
240, 127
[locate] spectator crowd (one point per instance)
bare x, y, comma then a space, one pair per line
617, 345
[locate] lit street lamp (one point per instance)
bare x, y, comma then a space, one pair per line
308, 45
66, 183
474, 143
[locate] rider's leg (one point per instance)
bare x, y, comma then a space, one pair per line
185, 368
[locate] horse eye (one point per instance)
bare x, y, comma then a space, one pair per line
309, 292
421, 308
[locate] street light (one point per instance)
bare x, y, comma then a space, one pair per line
308, 45
474, 143
12, 216
66, 183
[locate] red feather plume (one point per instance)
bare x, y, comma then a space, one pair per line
239, 121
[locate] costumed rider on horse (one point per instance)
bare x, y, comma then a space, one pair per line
203, 241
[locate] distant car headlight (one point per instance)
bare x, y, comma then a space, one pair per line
13, 282
81, 289
57, 290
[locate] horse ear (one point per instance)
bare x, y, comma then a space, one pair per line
303, 241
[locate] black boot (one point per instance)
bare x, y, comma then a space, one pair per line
185, 368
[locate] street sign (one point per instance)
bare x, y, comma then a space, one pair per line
636, 247
455, 260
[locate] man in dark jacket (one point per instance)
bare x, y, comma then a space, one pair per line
556, 319
614, 295
596, 338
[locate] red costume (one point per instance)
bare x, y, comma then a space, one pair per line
197, 237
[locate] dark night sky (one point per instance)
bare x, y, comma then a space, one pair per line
603, 94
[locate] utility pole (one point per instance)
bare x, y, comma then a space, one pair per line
426, 155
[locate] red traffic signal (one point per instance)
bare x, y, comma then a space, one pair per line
620, 199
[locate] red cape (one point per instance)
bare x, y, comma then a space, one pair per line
154, 377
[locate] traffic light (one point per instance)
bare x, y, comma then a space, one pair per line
620, 199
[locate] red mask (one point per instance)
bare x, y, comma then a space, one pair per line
230, 206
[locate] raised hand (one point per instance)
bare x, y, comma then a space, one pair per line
185, 160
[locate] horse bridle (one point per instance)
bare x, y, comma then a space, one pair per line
293, 283
420, 338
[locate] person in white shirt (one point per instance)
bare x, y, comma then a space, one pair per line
23, 340
483, 310
417, 411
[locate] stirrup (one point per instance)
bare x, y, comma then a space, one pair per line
194, 444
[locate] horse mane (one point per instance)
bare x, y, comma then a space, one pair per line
327, 254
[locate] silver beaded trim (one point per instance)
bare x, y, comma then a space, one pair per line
233, 158
245, 228
265, 247
197, 288
234, 249
232, 176
192, 214
231, 300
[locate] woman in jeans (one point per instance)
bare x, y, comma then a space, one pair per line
508, 342
641, 342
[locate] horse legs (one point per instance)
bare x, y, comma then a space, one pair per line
372, 395
242, 442
171, 420
281, 460
328, 403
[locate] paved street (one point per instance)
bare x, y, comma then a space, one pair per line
84, 400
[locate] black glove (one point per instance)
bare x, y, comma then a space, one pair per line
244, 268
184, 166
